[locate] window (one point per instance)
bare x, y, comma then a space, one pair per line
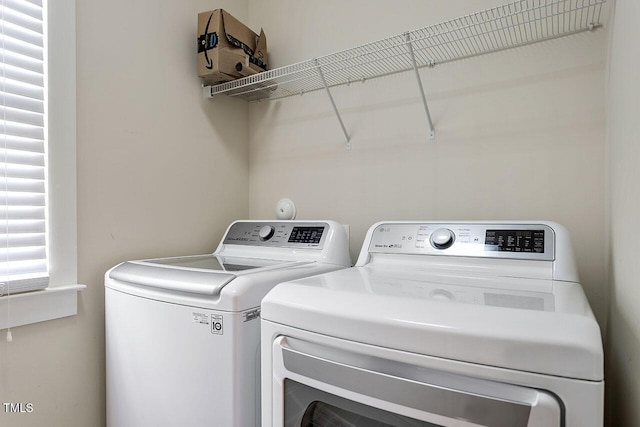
23, 249
60, 298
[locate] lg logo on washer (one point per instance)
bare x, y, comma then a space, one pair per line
217, 324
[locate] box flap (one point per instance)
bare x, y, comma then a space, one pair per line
260, 56
239, 34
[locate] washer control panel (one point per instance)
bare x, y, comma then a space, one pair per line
493, 240
308, 235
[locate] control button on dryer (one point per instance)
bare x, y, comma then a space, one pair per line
442, 238
266, 232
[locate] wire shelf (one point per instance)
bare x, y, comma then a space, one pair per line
511, 25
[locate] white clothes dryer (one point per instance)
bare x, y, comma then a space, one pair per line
438, 324
182, 334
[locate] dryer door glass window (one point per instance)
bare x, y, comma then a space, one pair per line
330, 383
309, 407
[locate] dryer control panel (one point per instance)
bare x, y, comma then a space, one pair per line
494, 240
308, 235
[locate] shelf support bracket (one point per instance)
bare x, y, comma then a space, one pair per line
432, 131
333, 104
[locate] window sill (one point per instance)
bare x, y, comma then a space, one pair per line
39, 306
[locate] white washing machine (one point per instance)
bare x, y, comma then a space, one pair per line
438, 324
182, 334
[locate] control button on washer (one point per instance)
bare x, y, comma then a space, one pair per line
266, 232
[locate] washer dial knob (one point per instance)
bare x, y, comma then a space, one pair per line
442, 238
266, 232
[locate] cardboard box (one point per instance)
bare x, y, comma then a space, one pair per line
228, 49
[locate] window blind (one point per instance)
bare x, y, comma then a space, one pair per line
23, 211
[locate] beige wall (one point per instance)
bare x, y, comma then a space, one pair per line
623, 335
161, 171
519, 134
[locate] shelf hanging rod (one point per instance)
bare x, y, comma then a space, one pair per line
333, 104
432, 131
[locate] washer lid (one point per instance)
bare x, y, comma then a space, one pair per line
212, 263
544, 327
200, 274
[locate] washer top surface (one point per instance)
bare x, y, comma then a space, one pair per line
507, 313
213, 263
198, 274
251, 258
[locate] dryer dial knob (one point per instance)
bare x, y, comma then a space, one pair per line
442, 238
266, 232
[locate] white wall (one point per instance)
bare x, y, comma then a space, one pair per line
623, 335
519, 134
161, 171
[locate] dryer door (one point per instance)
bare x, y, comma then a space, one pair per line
316, 385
